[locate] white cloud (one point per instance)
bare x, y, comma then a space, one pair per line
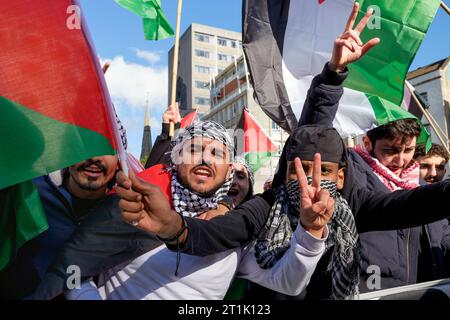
128, 85
130, 82
150, 57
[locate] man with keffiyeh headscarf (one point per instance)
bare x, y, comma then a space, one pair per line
199, 177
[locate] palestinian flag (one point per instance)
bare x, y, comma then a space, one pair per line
155, 24
54, 108
288, 42
188, 119
252, 142
54, 102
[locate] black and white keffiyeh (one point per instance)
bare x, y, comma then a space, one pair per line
190, 204
274, 240
185, 201
205, 129
251, 174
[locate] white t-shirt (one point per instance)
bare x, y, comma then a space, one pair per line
152, 275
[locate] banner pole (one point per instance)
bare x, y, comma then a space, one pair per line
175, 66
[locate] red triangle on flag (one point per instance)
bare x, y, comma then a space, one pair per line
253, 142
189, 118
157, 175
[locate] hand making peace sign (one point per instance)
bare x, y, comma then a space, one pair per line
316, 204
348, 47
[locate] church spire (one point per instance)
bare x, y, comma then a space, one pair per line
147, 136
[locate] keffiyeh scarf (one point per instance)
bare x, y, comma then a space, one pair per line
274, 240
185, 201
408, 179
190, 204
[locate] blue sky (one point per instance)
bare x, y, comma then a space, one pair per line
140, 66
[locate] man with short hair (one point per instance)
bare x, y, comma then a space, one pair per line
434, 257
388, 152
66, 196
432, 163
200, 177
367, 187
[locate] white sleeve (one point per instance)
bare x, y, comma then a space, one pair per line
87, 291
291, 274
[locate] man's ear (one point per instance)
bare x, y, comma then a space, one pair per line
367, 144
341, 179
230, 168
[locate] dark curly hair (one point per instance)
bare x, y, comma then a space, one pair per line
404, 128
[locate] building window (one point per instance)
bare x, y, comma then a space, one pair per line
222, 57
424, 96
201, 37
201, 100
201, 84
202, 53
219, 70
222, 42
275, 125
233, 44
202, 69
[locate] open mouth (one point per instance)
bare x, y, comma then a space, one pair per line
233, 192
203, 172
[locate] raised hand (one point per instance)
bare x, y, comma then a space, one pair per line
316, 204
348, 47
145, 206
172, 114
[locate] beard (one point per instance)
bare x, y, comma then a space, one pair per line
88, 183
202, 193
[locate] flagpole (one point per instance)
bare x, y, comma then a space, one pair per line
175, 65
426, 116
120, 147
444, 6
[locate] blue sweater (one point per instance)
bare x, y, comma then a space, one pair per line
22, 276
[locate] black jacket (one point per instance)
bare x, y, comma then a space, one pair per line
160, 153
374, 210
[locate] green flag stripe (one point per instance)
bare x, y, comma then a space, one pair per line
155, 24
21, 219
257, 159
403, 25
385, 112
33, 144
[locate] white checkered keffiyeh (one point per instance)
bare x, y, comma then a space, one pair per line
274, 240
185, 201
190, 204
